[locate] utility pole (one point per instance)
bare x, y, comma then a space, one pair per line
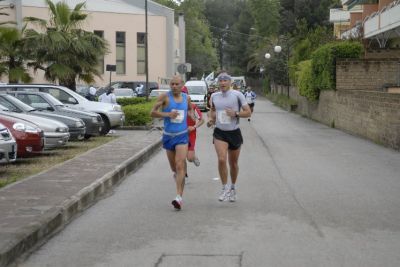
146, 52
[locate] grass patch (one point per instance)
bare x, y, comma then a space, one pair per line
25, 167
282, 101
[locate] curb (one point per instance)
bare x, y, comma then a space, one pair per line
57, 218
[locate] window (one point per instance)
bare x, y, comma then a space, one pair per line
120, 56
38, 102
101, 59
141, 58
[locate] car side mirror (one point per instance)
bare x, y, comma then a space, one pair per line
50, 108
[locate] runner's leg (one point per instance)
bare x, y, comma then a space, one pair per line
221, 148
180, 161
233, 157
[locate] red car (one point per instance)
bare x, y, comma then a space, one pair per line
30, 139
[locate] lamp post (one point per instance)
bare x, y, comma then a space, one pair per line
146, 52
278, 49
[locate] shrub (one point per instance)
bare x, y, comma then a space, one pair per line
131, 101
304, 81
138, 114
323, 63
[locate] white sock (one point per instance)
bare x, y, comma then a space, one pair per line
233, 186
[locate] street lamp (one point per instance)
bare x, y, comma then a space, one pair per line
278, 49
146, 51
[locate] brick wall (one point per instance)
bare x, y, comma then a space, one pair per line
369, 74
373, 115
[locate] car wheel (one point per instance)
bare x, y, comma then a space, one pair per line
87, 136
106, 128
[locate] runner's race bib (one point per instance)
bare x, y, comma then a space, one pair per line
179, 118
223, 118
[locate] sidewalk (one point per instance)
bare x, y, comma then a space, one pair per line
34, 209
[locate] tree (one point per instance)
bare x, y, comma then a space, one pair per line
199, 48
223, 19
12, 56
266, 16
63, 50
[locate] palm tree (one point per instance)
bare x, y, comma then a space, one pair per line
64, 51
12, 55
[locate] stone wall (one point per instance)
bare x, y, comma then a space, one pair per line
368, 74
373, 115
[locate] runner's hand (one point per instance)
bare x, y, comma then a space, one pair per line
173, 114
230, 112
210, 123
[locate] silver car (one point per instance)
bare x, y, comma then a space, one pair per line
76, 127
112, 114
55, 133
8, 146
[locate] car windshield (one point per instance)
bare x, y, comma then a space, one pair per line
196, 90
51, 99
16, 104
75, 95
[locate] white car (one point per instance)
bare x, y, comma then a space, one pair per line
157, 92
8, 146
198, 92
124, 93
112, 114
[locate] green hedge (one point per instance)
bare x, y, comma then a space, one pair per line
138, 114
323, 62
304, 80
131, 101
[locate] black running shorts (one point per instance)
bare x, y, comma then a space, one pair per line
233, 138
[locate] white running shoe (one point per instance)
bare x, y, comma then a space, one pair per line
177, 203
232, 195
224, 195
196, 162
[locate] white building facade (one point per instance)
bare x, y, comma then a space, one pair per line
122, 24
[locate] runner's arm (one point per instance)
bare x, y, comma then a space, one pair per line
190, 109
155, 111
211, 114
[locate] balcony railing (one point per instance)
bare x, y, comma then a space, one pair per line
353, 33
383, 21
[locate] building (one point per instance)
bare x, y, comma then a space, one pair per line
375, 21
122, 24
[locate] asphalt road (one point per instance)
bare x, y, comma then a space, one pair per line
308, 195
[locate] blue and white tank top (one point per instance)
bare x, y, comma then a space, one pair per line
178, 124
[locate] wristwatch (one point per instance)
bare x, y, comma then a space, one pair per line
237, 114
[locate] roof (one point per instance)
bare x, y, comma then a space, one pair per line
113, 6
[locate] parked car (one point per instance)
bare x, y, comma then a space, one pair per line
157, 92
8, 145
45, 102
111, 114
127, 84
29, 138
124, 93
55, 132
197, 92
76, 127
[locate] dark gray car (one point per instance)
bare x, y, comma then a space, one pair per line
76, 126
45, 102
